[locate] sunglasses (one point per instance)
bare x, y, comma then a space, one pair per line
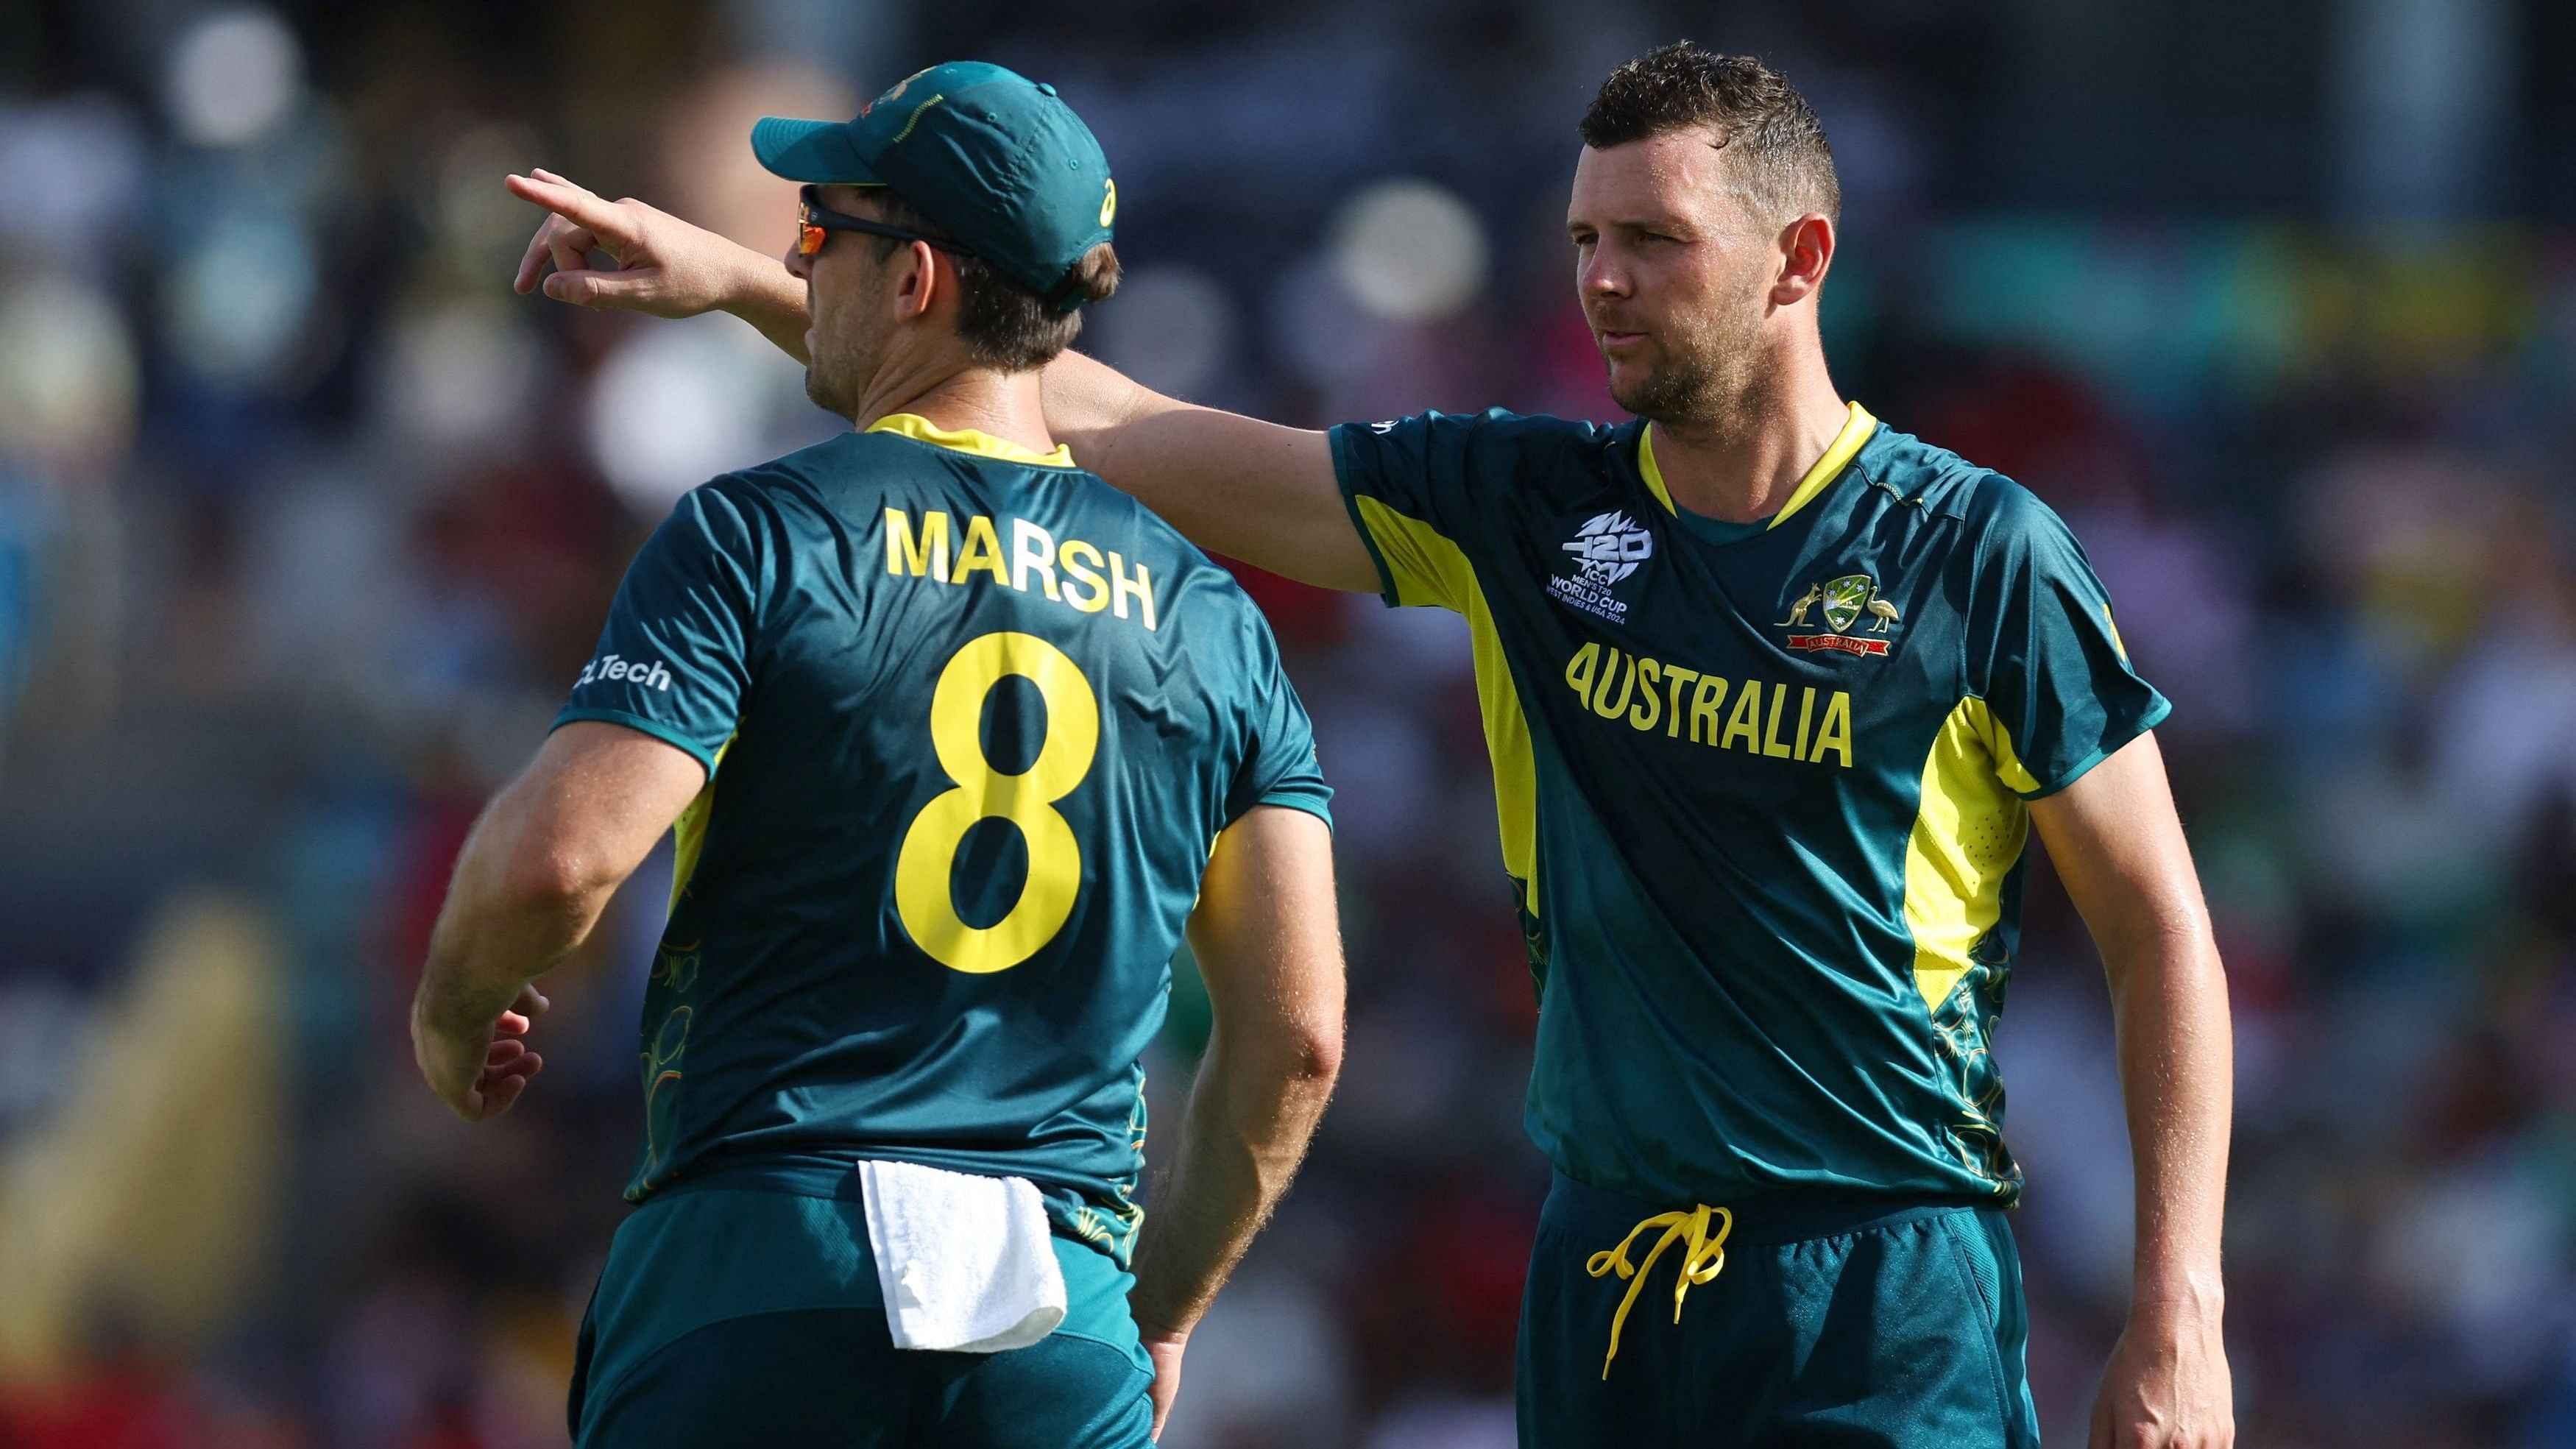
813, 223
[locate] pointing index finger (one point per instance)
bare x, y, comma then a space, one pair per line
574, 204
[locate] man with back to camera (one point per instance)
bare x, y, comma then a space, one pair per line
948, 727
1773, 693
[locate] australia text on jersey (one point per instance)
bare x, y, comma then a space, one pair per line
922, 552
1648, 693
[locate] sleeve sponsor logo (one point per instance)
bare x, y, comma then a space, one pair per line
611, 667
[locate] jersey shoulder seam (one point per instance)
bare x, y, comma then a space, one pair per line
1948, 485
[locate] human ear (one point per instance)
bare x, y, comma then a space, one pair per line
1806, 254
921, 283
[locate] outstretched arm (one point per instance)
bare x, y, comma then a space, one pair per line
1268, 942
538, 868
2117, 844
1234, 485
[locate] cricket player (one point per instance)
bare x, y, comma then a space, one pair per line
1774, 694
957, 739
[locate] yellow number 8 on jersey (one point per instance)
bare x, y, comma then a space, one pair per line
923, 898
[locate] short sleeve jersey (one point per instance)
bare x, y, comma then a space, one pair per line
1762, 787
972, 720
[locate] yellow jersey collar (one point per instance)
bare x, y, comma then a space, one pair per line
1846, 446
967, 440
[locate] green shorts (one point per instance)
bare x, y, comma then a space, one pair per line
1834, 1319
738, 1316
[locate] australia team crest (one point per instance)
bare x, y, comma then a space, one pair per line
1843, 602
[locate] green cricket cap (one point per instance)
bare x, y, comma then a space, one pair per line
991, 157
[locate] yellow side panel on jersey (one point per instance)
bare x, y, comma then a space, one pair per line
1430, 569
689, 832
1968, 834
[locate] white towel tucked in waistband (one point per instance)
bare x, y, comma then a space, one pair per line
966, 1262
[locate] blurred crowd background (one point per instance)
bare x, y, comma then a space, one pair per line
306, 524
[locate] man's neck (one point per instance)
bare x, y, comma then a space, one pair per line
1005, 405
1743, 468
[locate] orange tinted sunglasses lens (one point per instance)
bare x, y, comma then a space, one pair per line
809, 237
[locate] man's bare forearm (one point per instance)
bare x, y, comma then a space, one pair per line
1269, 949
2177, 1075
542, 863
506, 922
769, 297
2119, 847
1250, 1118
1253, 490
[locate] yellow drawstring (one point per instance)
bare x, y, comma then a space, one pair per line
1702, 1257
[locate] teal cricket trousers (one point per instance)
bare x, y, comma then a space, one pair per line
1833, 1320
741, 1317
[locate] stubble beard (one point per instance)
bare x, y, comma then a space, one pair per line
1716, 379
845, 359
831, 379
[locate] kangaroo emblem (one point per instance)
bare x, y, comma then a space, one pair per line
1842, 601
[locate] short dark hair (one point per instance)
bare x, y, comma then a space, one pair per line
1003, 324
1782, 162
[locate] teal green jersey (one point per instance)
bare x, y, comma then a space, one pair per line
1762, 786
972, 720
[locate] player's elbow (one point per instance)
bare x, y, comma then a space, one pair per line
1306, 1054
545, 874
1283, 1053
1280, 1075
1320, 1053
